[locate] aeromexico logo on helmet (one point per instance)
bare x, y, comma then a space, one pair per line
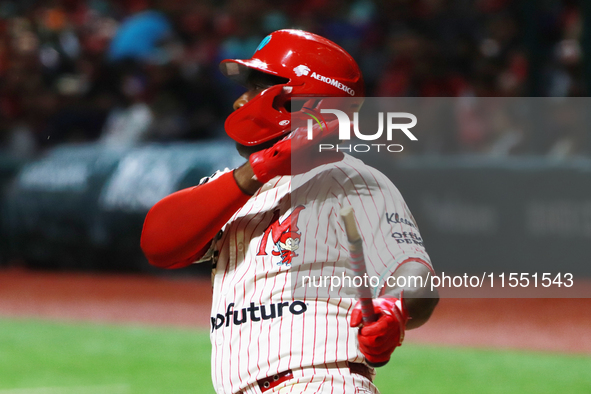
256, 313
302, 70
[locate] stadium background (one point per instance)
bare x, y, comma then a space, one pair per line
106, 106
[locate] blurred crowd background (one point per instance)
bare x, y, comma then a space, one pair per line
129, 71
108, 106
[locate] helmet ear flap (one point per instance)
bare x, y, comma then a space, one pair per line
283, 99
249, 127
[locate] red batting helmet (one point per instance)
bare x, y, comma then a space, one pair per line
312, 66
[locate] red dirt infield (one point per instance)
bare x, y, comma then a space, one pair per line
561, 325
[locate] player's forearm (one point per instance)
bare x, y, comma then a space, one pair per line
180, 226
420, 309
419, 301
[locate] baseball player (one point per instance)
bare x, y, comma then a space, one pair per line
277, 215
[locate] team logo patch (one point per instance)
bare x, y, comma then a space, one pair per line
263, 43
285, 236
301, 70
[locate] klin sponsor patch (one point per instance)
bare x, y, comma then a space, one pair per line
395, 218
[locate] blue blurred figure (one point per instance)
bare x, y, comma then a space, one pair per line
139, 36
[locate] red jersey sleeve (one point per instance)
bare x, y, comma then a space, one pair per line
179, 228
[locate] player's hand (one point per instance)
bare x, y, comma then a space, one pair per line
296, 154
378, 340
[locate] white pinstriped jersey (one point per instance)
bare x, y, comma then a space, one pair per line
289, 229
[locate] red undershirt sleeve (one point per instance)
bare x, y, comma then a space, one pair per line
179, 228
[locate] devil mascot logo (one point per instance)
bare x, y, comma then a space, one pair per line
285, 235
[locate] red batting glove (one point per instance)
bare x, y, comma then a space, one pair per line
378, 340
296, 154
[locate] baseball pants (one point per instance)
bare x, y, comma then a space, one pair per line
332, 379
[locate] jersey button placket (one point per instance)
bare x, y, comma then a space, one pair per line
232, 249
231, 260
240, 244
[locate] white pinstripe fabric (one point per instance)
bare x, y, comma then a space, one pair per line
246, 347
